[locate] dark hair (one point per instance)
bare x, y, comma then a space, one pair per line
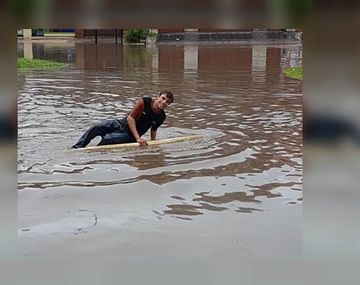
168, 94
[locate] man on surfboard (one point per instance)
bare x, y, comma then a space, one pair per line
148, 113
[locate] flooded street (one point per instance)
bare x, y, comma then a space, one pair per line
236, 191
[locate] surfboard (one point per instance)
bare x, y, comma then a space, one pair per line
135, 144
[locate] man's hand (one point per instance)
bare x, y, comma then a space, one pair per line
142, 142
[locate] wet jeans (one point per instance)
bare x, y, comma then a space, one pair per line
111, 132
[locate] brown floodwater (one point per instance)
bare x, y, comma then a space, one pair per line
248, 162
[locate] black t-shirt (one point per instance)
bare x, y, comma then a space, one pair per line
148, 118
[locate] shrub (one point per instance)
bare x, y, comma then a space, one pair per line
137, 35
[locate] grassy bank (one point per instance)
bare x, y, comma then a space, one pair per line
58, 34
294, 72
26, 64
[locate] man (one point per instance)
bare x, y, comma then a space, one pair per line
147, 113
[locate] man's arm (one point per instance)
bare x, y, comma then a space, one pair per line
137, 110
132, 127
153, 135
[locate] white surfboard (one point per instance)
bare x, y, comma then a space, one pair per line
135, 144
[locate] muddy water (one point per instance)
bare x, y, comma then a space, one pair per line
247, 164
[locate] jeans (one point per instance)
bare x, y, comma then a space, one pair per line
111, 132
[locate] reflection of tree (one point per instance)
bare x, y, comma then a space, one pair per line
136, 56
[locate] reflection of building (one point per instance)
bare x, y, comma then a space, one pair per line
180, 57
200, 34
90, 56
227, 34
47, 50
258, 65
225, 58
251, 59
166, 35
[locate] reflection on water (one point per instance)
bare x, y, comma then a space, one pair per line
235, 97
